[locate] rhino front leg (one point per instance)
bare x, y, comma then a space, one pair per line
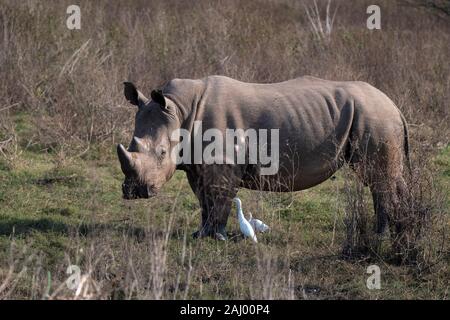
215, 198
215, 211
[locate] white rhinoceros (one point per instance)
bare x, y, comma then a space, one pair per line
321, 125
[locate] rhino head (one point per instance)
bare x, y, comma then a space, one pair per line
147, 164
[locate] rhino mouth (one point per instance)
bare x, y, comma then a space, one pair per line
131, 192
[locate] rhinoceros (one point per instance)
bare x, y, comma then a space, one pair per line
321, 126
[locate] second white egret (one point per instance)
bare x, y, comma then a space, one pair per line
257, 224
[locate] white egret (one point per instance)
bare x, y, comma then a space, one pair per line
257, 224
246, 227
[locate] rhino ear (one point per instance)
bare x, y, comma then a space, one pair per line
158, 97
133, 95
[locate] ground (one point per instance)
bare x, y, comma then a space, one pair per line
71, 212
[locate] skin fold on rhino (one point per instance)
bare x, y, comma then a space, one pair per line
322, 125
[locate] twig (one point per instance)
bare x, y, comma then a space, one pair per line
10, 106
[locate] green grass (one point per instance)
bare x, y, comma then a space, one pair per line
55, 218
443, 163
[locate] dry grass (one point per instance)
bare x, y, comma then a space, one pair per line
70, 81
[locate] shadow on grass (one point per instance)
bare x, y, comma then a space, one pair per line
22, 227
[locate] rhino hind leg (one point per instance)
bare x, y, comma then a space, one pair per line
382, 171
381, 210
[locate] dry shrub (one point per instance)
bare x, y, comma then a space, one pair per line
357, 218
417, 227
423, 216
24, 265
70, 81
111, 268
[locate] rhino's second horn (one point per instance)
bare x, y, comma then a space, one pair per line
140, 145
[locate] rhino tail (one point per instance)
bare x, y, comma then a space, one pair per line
406, 143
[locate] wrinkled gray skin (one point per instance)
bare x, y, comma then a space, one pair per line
322, 124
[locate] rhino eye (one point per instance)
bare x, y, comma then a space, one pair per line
161, 151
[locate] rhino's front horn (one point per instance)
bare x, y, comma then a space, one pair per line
140, 145
126, 161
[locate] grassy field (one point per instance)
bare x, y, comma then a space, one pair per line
57, 214
62, 112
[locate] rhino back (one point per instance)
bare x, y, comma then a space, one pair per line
308, 106
315, 117
304, 110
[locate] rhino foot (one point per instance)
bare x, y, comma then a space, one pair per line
220, 237
219, 234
